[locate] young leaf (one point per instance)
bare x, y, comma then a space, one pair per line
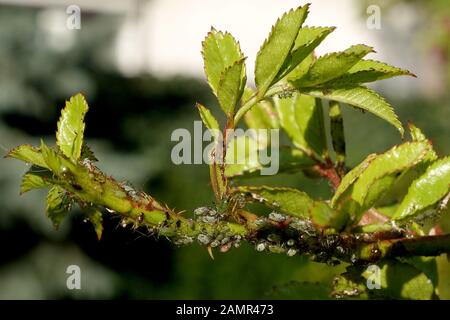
220, 50
308, 39
427, 190
337, 132
51, 158
96, 218
35, 178
28, 154
209, 120
69, 136
332, 65
393, 161
301, 117
58, 205
275, 51
87, 153
367, 71
360, 97
231, 85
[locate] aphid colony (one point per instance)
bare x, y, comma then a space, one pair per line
220, 237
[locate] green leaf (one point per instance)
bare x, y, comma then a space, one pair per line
348, 180
367, 71
275, 51
337, 132
395, 160
416, 133
402, 281
58, 205
295, 203
307, 40
287, 200
220, 51
290, 160
87, 153
28, 154
301, 117
96, 218
51, 158
363, 98
231, 86
209, 120
332, 65
35, 178
69, 136
427, 190
396, 280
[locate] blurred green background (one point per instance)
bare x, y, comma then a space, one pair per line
129, 126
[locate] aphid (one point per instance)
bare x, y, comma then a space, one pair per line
215, 243
203, 238
276, 248
141, 218
291, 252
278, 217
261, 246
225, 240
290, 242
201, 211
208, 219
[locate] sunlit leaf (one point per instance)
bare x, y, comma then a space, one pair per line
363, 98
427, 190
209, 120
275, 51
302, 118
70, 134
332, 66
367, 71
220, 50
28, 154
231, 86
